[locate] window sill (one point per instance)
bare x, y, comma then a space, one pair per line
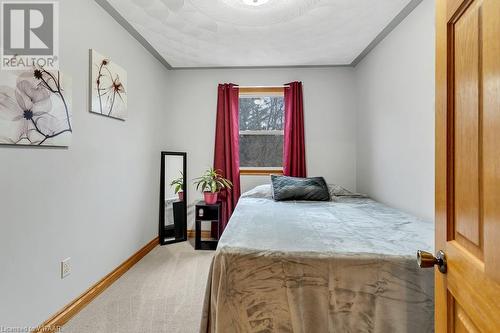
260, 172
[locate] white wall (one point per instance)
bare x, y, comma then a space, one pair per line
329, 116
395, 118
96, 202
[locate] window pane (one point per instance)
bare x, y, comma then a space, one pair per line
261, 150
261, 113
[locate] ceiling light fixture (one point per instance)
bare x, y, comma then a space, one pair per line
255, 3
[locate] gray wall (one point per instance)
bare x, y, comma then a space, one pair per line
395, 121
96, 202
329, 116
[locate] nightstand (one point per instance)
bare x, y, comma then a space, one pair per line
205, 213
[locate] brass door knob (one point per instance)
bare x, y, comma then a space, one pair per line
427, 260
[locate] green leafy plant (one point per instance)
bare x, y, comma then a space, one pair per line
212, 181
178, 184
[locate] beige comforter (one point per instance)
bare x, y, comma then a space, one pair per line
345, 266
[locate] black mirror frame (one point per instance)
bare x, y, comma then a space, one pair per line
161, 227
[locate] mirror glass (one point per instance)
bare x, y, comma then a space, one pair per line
172, 198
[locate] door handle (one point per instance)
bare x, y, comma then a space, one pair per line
427, 260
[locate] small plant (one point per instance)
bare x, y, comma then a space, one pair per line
178, 184
212, 181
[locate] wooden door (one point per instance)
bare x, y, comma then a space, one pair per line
468, 165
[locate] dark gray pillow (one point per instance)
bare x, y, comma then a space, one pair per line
293, 188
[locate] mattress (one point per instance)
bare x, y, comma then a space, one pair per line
341, 266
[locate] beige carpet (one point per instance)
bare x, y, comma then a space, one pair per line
162, 293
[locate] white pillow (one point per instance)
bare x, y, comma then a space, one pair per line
261, 191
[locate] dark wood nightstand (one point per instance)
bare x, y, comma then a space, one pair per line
210, 214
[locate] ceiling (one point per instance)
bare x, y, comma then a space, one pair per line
234, 33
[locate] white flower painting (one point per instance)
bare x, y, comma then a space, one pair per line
108, 87
35, 108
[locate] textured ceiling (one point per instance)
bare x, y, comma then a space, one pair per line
223, 33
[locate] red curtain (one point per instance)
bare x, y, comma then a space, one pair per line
227, 155
294, 151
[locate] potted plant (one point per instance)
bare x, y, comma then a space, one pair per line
211, 183
178, 185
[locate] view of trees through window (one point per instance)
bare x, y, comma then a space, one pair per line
261, 131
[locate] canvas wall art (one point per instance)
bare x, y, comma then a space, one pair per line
35, 108
108, 87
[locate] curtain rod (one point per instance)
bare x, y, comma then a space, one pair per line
282, 86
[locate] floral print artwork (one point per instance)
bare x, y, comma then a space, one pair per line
35, 108
108, 87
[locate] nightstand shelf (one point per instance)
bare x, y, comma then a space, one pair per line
205, 213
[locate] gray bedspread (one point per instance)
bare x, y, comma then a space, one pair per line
344, 266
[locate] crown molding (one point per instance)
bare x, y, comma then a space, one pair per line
387, 30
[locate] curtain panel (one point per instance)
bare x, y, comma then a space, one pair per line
294, 151
227, 155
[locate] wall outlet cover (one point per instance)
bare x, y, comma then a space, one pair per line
65, 267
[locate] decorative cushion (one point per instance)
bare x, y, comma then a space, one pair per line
339, 191
293, 188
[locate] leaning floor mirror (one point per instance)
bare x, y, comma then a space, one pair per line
173, 197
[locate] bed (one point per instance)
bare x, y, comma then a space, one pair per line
347, 265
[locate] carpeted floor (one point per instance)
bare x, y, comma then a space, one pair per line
162, 293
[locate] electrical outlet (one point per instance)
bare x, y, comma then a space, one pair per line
65, 267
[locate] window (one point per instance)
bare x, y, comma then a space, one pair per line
261, 118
